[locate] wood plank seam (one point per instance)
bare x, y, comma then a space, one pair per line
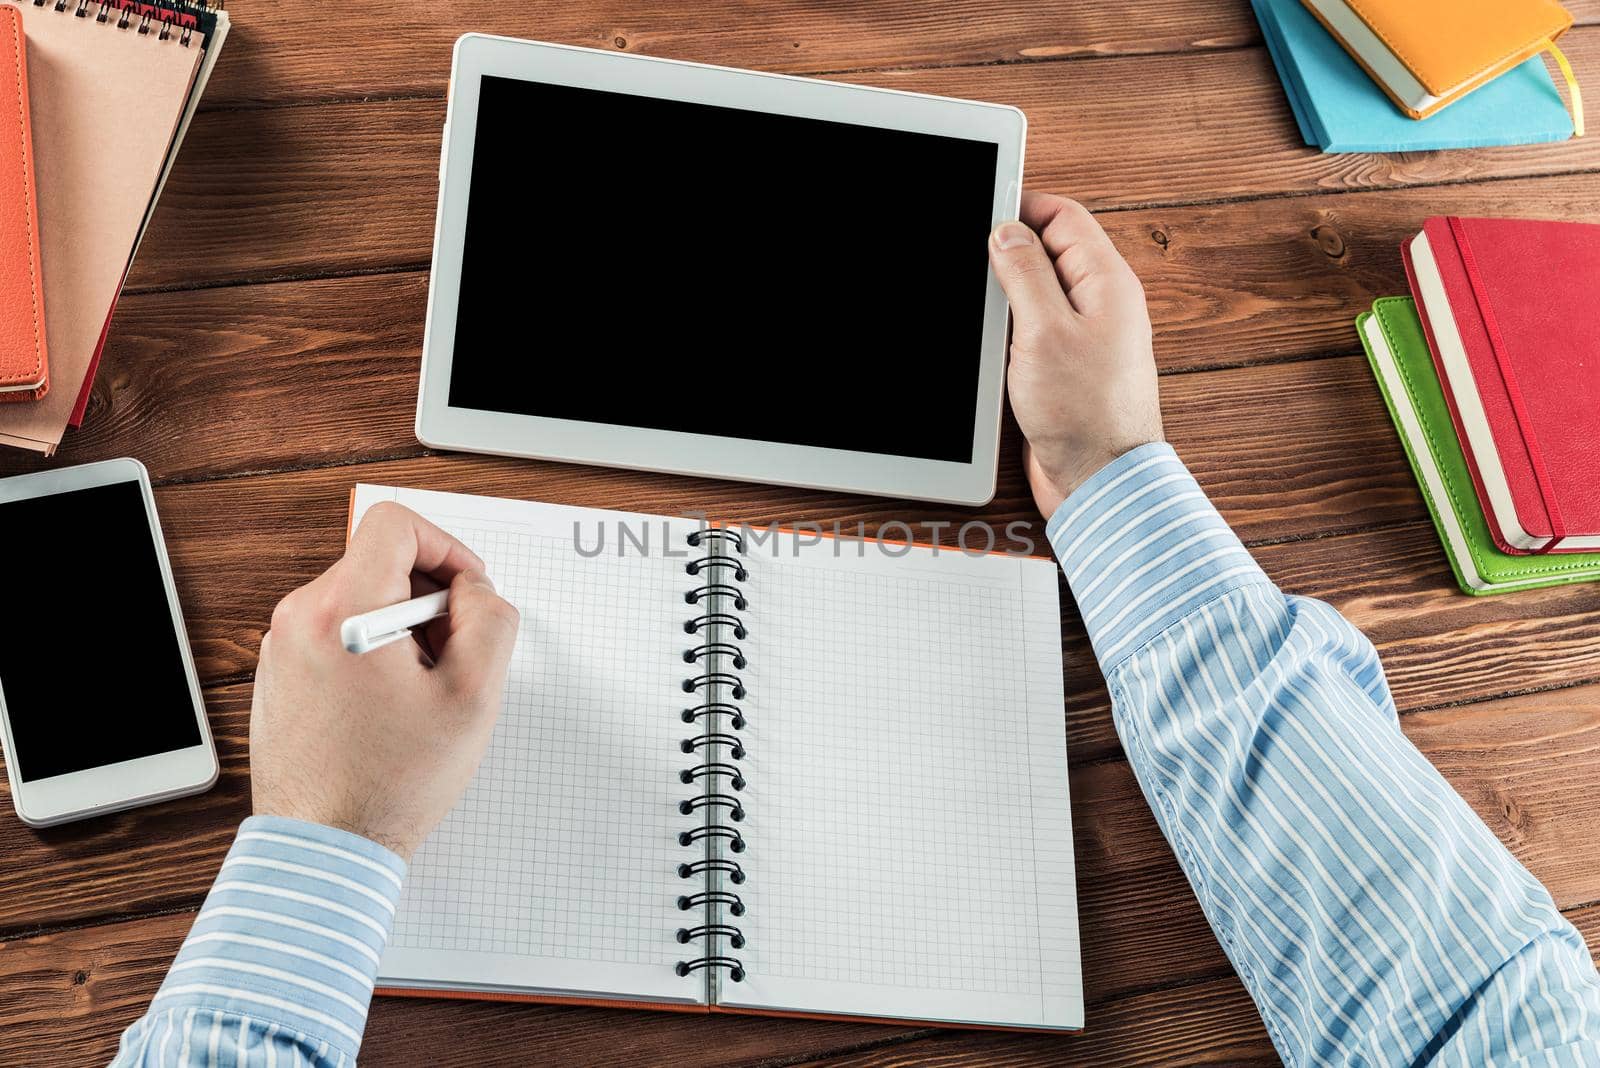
1025, 60
1296, 194
285, 278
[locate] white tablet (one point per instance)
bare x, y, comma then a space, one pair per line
674, 267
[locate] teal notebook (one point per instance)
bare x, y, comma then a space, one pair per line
1398, 351
1340, 109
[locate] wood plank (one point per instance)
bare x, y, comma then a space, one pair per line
69, 995
273, 192
325, 371
1524, 764
1205, 1023
1235, 284
1439, 645
160, 857
73, 992
80, 988
1520, 763
1230, 284
295, 375
405, 47
255, 378
230, 382
1587, 921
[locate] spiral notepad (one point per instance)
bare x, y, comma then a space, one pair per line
747, 770
112, 86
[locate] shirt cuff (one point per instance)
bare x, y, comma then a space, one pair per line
291, 932
1142, 547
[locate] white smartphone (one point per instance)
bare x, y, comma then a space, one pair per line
100, 707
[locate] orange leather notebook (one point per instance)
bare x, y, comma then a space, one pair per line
1427, 54
727, 778
24, 359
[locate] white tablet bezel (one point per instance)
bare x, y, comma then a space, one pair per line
440, 426
128, 783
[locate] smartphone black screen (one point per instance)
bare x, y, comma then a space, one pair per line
91, 669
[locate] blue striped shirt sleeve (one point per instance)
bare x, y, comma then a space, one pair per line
277, 971
1372, 916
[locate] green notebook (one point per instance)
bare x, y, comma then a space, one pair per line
1398, 351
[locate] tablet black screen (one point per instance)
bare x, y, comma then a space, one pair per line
651, 263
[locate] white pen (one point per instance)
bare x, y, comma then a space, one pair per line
375, 629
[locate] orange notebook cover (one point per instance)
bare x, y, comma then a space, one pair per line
24, 359
1427, 54
727, 778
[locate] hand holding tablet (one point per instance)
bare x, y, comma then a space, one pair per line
668, 266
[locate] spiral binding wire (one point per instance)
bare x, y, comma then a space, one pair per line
141, 16
714, 716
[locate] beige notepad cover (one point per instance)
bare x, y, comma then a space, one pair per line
106, 103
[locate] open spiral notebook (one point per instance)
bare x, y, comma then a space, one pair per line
747, 771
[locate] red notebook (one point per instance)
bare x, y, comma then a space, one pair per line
1511, 309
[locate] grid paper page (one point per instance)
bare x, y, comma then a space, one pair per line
555, 873
910, 842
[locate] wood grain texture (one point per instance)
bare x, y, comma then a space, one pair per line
157, 858
1228, 284
1211, 1022
256, 378
405, 50
71, 993
239, 545
266, 358
260, 377
79, 988
1236, 284
274, 192
1205, 1023
1587, 921
1520, 762
294, 375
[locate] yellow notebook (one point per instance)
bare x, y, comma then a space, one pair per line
1427, 54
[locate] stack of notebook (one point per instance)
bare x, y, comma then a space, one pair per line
1469, 70
106, 89
1490, 372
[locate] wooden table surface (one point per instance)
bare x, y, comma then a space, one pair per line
264, 357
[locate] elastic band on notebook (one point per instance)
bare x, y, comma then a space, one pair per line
1572, 87
1519, 408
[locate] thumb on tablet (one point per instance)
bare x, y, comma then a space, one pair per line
1028, 277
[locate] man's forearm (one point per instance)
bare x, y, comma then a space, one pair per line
279, 966
1371, 914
